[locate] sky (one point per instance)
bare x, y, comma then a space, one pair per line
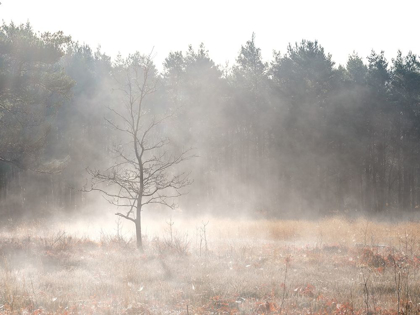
125, 26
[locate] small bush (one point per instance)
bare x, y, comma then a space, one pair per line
175, 246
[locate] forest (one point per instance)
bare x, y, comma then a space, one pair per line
288, 186
295, 136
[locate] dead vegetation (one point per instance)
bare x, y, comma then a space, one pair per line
333, 266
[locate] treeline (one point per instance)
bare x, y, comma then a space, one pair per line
297, 135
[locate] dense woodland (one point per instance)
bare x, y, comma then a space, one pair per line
295, 136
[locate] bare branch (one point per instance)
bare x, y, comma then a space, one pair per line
125, 217
119, 115
118, 128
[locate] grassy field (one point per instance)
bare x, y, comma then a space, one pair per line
333, 266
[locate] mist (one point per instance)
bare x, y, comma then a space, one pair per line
291, 169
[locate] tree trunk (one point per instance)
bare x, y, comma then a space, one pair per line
399, 189
406, 186
413, 185
368, 195
138, 230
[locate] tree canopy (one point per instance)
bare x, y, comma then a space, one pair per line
297, 134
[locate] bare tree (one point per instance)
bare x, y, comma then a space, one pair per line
145, 169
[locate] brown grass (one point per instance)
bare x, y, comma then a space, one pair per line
332, 266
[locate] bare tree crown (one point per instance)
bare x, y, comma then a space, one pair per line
144, 171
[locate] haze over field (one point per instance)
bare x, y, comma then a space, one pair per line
183, 157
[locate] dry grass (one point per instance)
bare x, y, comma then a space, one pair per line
332, 266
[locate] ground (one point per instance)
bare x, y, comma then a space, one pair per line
331, 266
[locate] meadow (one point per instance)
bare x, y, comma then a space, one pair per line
215, 266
